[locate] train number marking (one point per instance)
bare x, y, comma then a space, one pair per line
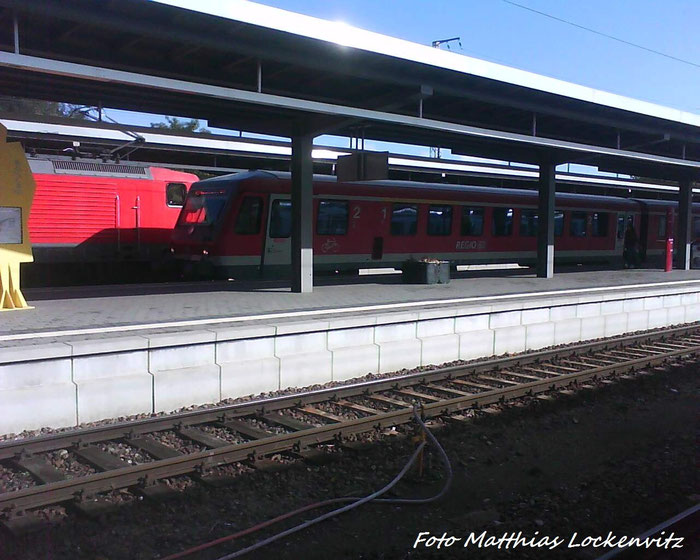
472, 245
355, 212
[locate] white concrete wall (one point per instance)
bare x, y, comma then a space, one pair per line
63, 384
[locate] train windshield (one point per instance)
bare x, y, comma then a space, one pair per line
203, 207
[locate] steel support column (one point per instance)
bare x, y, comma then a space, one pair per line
545, 222
685, 221
302, 212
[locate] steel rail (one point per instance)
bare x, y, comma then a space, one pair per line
149, 473
130, 429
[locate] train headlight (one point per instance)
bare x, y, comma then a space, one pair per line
205, 252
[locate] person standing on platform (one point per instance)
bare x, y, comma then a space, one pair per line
629, 253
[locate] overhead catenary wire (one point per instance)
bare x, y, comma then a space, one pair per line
602, 34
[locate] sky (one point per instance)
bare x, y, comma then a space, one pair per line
501, 32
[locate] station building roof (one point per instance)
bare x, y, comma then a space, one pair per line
244, 66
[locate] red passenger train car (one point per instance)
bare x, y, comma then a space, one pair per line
235, 224
95, 220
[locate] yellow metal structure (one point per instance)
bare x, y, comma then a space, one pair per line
16, 195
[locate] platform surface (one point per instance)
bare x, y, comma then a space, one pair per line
192, 305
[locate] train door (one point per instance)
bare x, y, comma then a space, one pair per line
278, 236
623, 218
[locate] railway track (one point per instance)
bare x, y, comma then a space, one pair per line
137, 457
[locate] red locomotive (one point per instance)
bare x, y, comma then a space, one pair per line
98, 220
235, 224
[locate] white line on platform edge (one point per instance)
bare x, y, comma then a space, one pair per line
339, 310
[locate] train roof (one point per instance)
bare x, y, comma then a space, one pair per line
125, 170
431, 187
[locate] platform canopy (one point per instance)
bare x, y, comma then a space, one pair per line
204, 62
245, 66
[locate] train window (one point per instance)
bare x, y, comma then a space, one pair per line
404, 218
599, 224
577, 225
332, 217
203, 207
439, 220
528, 223
248, 221
558, 223
281, 219
175, 194
661, 231
502, 222
696, 227
472, 221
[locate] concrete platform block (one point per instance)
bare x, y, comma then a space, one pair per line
248, 366
355, 361
587, 310
470, 323
35, 394
32, 408
352, 322
163, 357
672, 300
301, 327
473, 310
346, 338
689, 299
533, 316
676, 315
399, 354
506, 319
112, 384
476, 344
306, 343
539, 335
561, 313
653, 302
122, 344
388, 318
249, 377
34, 352
435, 327
658, 318
440, 349
614, 307
615, 324
637, 321
121, 395
509, 340
395, 332
592, 328
567, 331
176, 388
300, 370
181, 338
636, 304
692, 313
239, 333
439, 313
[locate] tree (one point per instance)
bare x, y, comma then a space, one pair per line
24, 106
173, 123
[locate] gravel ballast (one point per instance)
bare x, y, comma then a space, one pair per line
618, 458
